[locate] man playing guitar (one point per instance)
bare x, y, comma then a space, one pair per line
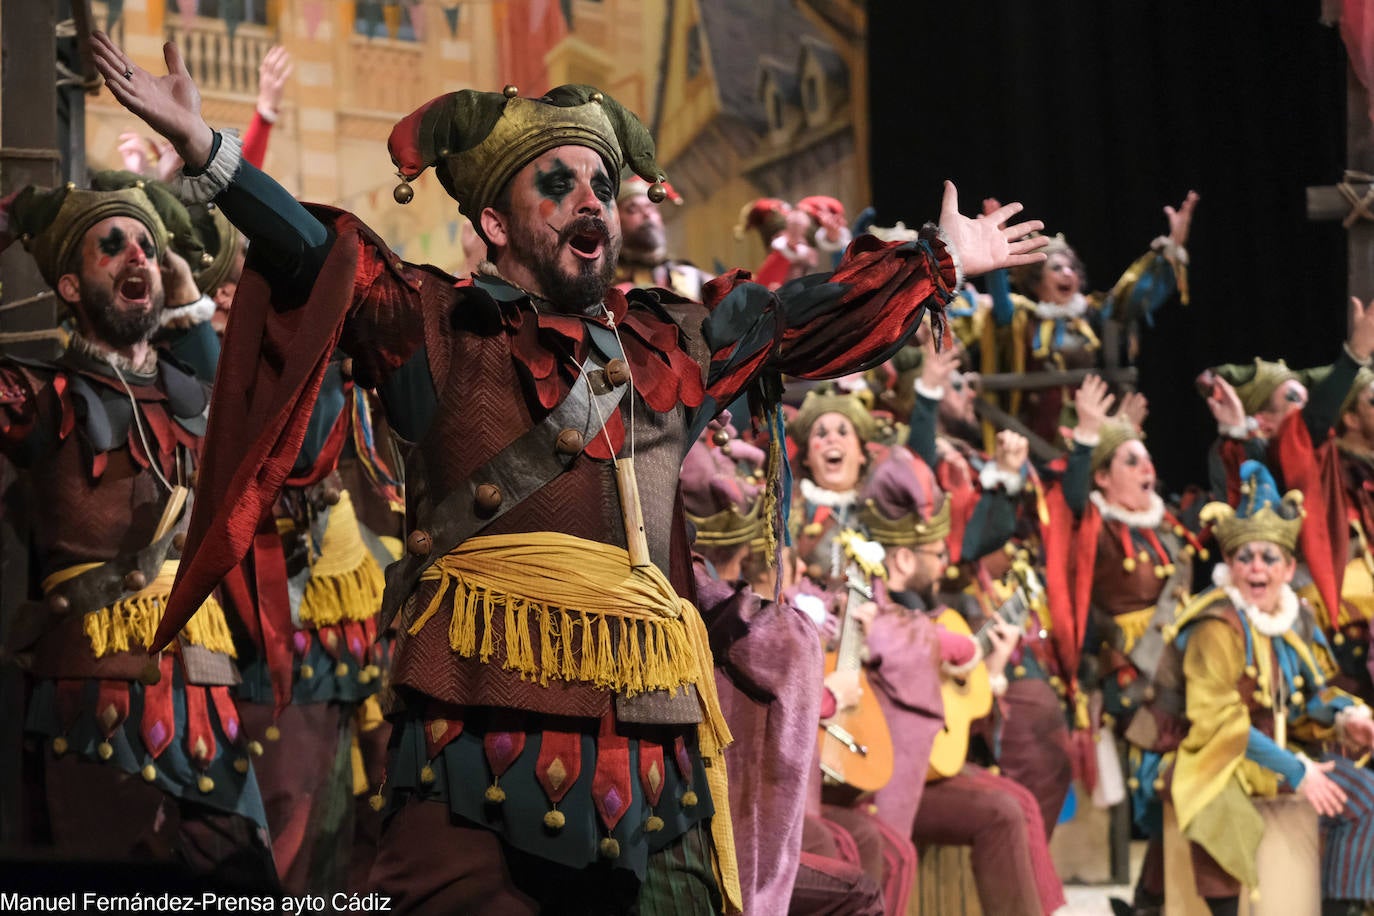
904, 510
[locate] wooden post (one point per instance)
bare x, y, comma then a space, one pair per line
1332, 202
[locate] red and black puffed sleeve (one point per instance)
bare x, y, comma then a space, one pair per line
824, 326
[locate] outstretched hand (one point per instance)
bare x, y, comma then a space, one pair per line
938, 365
1092, 402
1225, 404
273, 73
169, 104
1360, 338
1181, 220
1135, 407
986, 242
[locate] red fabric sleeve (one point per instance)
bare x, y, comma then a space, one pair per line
822, 327
1325, 535
255, 140
273, 362
955, 648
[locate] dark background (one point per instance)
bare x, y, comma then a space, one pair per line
1095, 115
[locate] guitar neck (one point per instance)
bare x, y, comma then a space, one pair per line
849, 652
1013, 611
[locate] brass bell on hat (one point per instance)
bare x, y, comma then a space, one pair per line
403, 192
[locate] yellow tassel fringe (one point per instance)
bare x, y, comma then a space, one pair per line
346, 581
573, 645
129, 624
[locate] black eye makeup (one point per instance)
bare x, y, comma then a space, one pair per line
1268, 556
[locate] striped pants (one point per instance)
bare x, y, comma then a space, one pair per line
1348, 840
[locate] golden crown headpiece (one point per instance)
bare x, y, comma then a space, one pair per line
909, 530
1363, 379
1262, 515
729, 527
1256, 382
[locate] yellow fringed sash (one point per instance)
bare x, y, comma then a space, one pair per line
129, 623
636, 633
1134, 625
346, 581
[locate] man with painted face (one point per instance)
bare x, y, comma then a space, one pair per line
644, 260
551, 689
140, 752
1256, 676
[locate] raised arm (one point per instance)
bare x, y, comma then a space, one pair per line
296, 242
1092, 402
826, 326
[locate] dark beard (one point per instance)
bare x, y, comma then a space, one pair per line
645, 246
113, 328
570, 292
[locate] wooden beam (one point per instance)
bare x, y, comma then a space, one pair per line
1033, 381
84, 20
1039, 448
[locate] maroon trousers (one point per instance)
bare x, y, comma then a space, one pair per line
1035, 746
307, 793
829, 879
994, 815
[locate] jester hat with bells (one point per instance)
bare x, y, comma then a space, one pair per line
1256, 382
53, 222
477, 141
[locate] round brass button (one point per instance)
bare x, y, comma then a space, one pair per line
419, 543
331, 496
569, 442
179, 541
720, 437
135, 581
59, 604
617, 372
150, 674
488, 498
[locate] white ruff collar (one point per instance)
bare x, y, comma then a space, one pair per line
1271, 625
1146, 518
820, 496
1076, 307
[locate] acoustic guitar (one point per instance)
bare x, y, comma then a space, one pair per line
969, 698
855, 747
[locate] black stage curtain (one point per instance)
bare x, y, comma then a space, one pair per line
1097, 114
